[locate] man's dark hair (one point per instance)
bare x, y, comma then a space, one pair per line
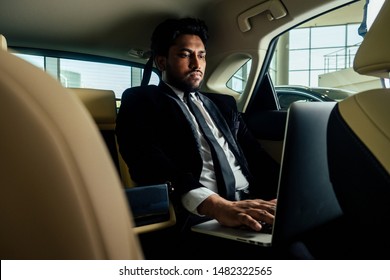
166, 32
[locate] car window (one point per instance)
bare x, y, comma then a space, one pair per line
288, 95
239, 80
319, 55
286, 98
316, 58
90, 74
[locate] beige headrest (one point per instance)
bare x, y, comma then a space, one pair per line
3, 43
373, 56
100, 103
60, 195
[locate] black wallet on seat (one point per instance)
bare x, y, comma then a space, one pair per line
149, 204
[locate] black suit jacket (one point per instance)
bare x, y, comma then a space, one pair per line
157, 142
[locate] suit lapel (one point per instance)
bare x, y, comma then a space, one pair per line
224, 128
171, 95
220, 121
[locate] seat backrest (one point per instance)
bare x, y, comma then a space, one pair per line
60, 196
359, 140
101, 104
346, 153
359, 156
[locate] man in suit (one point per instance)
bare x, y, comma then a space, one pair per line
161, 140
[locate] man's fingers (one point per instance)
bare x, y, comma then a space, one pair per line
258, 204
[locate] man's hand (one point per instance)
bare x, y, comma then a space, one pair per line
238, 213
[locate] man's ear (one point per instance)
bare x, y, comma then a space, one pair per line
160, 62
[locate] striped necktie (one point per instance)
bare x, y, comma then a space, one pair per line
224, 174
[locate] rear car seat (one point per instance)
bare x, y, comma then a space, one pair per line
101, 104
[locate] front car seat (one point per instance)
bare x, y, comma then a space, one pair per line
61, 197
342, 164
359, 147
358, 155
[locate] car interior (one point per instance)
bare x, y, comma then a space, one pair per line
65, 189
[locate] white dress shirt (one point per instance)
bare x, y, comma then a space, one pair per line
193, 198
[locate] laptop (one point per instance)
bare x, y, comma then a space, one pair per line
305, 193
213, 227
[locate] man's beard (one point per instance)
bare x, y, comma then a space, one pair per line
184, 85
187, 87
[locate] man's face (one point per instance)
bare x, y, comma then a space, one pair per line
185, 64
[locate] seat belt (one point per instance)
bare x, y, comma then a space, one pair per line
147, 72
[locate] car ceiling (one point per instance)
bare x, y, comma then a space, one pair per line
112, 28
108, 27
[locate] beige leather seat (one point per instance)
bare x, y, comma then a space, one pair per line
60, 195
359, 144
101, 104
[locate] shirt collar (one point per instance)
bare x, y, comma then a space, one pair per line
179, 92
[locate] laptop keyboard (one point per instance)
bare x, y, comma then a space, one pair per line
266, 228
